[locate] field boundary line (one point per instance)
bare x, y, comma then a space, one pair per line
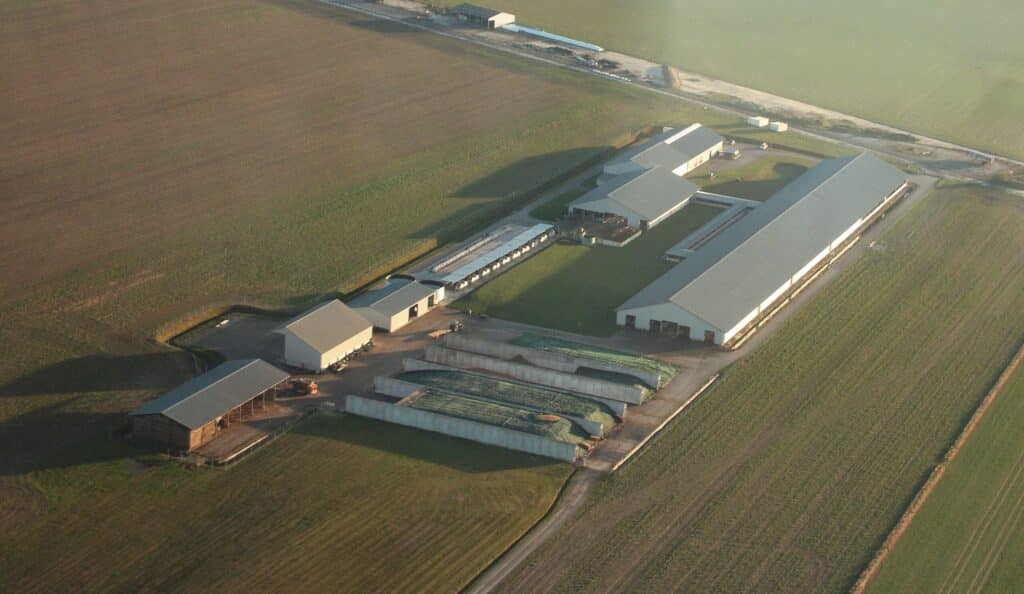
643, 442
936, 475
565, 503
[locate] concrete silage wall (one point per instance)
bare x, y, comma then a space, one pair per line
549, 360
396, 388
465, 429
601, 390
591, 427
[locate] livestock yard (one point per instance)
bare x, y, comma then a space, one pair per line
792, 469
929, 69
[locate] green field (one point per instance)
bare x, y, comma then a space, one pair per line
790, 472
759, 180
954, 70
339, 504
969, 536
576, 288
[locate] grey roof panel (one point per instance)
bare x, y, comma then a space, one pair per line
403, 298
214, 393
656, 152
732, 274
649, 194
327, 325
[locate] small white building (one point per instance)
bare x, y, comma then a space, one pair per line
399, 302
678, 151
758, 121
778, 126
324, 335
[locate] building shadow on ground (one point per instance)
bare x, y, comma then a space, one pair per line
522, 176
104, 373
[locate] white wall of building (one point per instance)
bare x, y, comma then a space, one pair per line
698, 160
669, 312
300, 354
500, 20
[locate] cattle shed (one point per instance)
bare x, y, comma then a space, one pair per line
397, 303
192, 414
729, 282
679, 151
643, 198
483, 17
324, 335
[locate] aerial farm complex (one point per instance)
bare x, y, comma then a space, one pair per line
527, 388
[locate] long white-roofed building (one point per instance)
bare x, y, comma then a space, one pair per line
736, 277
324, 335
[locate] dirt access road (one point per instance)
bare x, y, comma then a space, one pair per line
933, 156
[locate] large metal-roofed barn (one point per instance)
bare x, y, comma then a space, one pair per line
191, 414
324, 335
483, 17
739, 274
679, 151
397, 303
643, 198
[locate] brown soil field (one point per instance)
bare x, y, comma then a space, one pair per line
121, 122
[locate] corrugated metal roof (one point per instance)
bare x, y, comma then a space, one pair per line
327, 325
391, 302
657, 152
649, 194
494, 254
732, 274
214, 393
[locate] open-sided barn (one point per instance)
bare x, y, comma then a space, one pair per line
324, 335
192, 414
734, 278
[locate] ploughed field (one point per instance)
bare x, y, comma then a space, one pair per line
953, 70
789, 473
969, 535
338, 504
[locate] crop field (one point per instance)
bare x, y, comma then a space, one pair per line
353, 505
969, 536
788, 474
575, 288
955, 70
759, 180
147, 188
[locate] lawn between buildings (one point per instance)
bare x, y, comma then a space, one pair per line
759, 180
338, 504
969, 535
790, 472
577, 288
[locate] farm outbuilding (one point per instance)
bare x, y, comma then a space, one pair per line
643, 199
324, 335
399, 302
679, 151
732, 280
192, 414
483, 17
758, 121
